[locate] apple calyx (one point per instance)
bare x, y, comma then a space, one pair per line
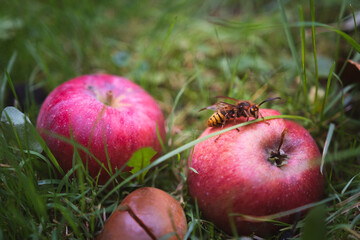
278, 157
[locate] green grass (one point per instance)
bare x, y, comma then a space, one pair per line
183, 53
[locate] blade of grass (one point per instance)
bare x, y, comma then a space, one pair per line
336, 98
354, 195
348, 184
354, 18
302, 34
3, 81
32, 196
341, 14
65, 180
327, 91
177, 99
79, 146
48, 153
160, 138
168, 34
249, 26
68, 216
313, 37
289, 38
16, 135
197, 212
193, 143
326, 146
271, 217
190, 228
345, 227
11, 85
344, 154
80, 172
39, 60
347, 37
354, 222
315, 226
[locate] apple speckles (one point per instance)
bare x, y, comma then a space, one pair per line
235, 175
126, 123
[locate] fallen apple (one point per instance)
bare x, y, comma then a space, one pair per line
146, 213
264, 168
109, 115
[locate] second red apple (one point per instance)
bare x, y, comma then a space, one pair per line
109, 115
262, 169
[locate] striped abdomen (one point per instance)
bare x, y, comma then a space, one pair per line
217, 118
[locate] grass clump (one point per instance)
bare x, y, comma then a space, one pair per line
183, 53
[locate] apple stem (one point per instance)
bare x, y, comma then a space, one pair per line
109, 98
279, 157
282, 139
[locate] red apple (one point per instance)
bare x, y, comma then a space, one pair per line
146, 213
238, 174
110, 115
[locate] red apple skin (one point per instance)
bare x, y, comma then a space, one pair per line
234, 175
126, 123
159, 212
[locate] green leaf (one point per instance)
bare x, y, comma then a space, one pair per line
17, 127
141, 159
315, 226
